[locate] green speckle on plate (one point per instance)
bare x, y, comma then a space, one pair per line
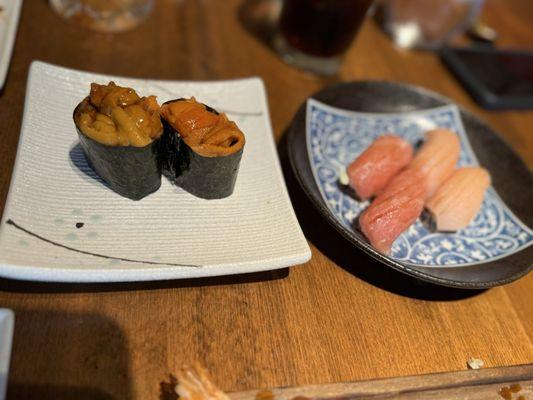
24, 243
71, 236
96, 219
92, 235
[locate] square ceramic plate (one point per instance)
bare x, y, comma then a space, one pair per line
9, 19
62, 224
7, 321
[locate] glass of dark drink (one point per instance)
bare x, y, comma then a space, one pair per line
314, 34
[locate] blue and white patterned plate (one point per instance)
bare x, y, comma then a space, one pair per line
335, 137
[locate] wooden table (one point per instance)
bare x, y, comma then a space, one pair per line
340, 317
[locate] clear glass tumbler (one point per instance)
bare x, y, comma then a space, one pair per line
104, 15
428, 24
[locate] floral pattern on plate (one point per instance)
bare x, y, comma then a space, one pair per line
335, 137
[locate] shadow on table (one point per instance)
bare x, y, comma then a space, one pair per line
52, 392
351, 259
87, 349
53, 287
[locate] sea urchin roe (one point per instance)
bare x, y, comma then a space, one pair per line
207, 132
117, 116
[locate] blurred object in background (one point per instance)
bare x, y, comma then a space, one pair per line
260, 17
264, 12
104, 15
482, 33
427, 24
314, 34
496, 79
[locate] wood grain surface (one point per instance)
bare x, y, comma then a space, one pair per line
482, 384
340, 317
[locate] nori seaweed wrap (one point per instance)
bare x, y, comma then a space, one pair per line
201, 148
120, 134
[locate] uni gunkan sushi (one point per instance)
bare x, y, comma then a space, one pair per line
120, 132
202, 148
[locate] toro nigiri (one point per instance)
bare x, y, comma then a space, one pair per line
437, 158
459, 198
370, 173
394, 210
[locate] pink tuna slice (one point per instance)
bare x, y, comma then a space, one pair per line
459, 198
394, 210
437, 158
370, 173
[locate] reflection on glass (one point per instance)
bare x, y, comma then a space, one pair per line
104, 15
428, 23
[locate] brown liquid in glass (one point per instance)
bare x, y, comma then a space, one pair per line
323, 28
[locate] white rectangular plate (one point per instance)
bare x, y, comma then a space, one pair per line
7, 321
168, 234
9, 19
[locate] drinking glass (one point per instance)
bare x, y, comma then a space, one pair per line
428, 24
104, 15
314, 34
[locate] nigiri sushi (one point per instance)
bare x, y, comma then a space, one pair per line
437, 158
394, 210
458, 200
370, 173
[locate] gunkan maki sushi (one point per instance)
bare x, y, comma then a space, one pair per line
120, 133
202, 148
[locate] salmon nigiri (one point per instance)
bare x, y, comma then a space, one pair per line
394, 210
458, 200
378, 164
437, 158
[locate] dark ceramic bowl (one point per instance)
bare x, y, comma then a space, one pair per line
510, 177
